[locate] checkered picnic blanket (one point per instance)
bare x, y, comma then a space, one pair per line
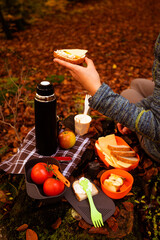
27, 151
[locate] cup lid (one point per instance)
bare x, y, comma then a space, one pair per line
45, 88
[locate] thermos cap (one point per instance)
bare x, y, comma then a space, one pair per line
45, 88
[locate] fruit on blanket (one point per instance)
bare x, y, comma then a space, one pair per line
113, 183
53, 187
66, 139
40, 172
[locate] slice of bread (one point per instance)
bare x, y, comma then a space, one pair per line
79, 192
107, 157
123, 153
75, 56
105, 141
114, 160
130, 160
119, 147
118, 156
123, 164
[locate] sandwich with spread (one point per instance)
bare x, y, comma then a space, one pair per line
75, 56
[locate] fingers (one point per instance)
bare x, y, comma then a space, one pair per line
123, 130
127, 130
89, 62
68, 65
71, 66
120, 127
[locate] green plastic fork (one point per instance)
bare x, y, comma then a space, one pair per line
96, 216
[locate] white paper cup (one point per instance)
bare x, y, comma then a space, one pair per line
82, 123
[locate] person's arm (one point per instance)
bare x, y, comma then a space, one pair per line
113, 105
144, 122
145, 103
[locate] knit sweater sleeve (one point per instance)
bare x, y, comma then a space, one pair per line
121, 110
145, 103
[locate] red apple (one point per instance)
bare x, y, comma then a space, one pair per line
66, 139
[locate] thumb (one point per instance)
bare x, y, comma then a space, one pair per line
89, 62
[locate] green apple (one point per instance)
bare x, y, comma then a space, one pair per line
66, 139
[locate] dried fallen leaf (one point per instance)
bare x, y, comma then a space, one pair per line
97, 182
130, 194
93, 130
128, 206
24, 130
116, 213
150, 173
31, 235
2, 196
7, 111
99, 128
123, 213
100, 173
83, 224
98, 230
11, 131
114, 66
15, 150
22, 228
147, 163
57, 223
112, 223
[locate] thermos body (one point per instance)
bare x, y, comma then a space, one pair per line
45, 121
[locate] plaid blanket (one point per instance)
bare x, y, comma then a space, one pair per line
27, 151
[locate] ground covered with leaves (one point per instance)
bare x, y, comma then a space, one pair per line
119, 37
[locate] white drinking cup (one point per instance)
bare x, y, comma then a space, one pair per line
82, 123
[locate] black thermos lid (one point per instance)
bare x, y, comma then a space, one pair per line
45, 88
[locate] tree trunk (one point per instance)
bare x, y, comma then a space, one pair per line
5, 26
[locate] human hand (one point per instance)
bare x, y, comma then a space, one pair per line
122, 129
87, 76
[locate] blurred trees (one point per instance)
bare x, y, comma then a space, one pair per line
16, 14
